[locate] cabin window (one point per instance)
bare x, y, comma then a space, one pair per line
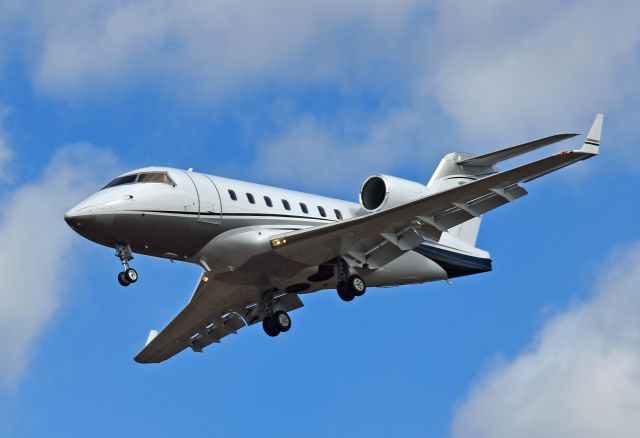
250, 198
232, 195
322, 212
267, 200
286, 205
338, 214
304, 208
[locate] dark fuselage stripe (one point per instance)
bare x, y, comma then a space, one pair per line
195, 213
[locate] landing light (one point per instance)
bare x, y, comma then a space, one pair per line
205, 279
278, 242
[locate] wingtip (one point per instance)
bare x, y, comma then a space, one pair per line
151, 337
592, 142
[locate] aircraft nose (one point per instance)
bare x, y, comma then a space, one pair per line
69, 216
78, 216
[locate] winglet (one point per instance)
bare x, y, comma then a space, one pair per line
592, 143
152, 336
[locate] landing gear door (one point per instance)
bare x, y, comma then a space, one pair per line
210, 210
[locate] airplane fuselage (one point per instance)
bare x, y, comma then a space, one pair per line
221, 224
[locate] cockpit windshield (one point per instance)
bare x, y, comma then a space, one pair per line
146, 177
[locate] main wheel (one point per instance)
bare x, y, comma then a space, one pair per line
344, 292
356, 285
131, 275
282, 321
269, 327
123, 280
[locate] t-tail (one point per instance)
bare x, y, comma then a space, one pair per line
458, 168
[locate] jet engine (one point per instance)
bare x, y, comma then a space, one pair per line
380, 192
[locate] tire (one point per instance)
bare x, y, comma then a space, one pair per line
123, 280
344, 292
356, 285
282, 321
269, 327
131, 275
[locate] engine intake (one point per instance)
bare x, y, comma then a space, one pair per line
380, 192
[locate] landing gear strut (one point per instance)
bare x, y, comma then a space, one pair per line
349, 286
128, 274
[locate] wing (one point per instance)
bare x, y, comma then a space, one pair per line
216, 310
496, 157
375, 239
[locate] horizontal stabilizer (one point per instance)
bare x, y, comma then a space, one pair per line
492, 158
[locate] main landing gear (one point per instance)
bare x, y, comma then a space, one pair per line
353, 286
128, 274
349, 286
277, 323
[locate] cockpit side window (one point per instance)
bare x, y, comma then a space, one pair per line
147, 177
155, 177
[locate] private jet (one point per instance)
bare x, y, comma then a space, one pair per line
260, 248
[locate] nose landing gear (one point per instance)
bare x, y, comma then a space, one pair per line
128, 274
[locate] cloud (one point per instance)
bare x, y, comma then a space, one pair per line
501, 72
36, 243
215, 48
510, 68
580, 378
493, 66
6, 152
312, 152
498, 71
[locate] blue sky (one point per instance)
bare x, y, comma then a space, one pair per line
317, 96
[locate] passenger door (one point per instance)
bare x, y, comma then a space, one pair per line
209, 206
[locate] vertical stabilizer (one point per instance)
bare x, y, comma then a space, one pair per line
467, 231
451, 173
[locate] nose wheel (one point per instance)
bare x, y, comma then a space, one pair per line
128, 275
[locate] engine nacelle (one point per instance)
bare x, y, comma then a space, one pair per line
380, 192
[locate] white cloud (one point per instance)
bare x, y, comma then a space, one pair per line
580, 378
35, 249
502, 72
513, 68
313, 153
494, 66
215, 48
